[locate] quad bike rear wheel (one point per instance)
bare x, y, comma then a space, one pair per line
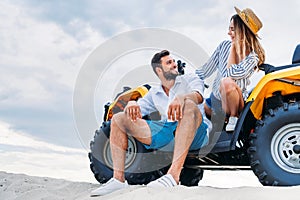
275, 146
138, 168
141, 165
190, 176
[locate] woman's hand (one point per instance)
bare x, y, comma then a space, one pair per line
232, 58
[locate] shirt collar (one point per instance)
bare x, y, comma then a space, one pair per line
160, 89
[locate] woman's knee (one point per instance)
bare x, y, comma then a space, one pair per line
227, 85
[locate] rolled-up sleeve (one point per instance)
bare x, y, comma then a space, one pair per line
243, 69
146, 104
196, 84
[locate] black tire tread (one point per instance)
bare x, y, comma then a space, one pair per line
256, 164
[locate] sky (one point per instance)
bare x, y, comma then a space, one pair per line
45, 43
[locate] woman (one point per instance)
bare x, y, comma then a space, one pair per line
235, 61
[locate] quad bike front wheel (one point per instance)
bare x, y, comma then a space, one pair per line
141, 165
275, 146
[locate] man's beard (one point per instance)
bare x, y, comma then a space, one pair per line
169, 76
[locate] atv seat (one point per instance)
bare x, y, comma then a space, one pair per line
296, 56
267, 68
295, 62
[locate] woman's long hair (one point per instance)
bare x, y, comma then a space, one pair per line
248, 40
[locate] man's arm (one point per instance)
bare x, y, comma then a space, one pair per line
137, 109
194, 96
175, 108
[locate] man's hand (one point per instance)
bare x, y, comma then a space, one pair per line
175, 108
133, 111
175, 111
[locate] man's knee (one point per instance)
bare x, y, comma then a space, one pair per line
191, 110
118, 120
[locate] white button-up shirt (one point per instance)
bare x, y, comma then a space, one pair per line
157, 100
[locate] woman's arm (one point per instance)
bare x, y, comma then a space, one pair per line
244, 68
213, 62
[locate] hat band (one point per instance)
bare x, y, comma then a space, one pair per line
250, 22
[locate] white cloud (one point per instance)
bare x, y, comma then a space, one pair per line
20, 153
12, 137
39, 63
39, 58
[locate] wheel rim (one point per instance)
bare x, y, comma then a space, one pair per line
285, 146
130, 153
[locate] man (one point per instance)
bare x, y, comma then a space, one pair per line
178, 100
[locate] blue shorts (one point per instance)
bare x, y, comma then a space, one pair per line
208, 102
163, 134
213, 103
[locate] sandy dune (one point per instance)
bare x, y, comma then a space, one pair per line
23, 187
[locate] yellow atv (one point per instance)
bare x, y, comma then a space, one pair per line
266, 138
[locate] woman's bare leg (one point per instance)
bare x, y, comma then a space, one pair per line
231, 96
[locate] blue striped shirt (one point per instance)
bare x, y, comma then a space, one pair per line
240, 72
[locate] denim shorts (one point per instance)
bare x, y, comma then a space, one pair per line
213, 103
163, 135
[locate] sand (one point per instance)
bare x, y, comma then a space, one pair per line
24, 187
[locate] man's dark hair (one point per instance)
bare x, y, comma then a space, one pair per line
156, 60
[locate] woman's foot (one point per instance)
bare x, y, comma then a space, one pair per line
231, 123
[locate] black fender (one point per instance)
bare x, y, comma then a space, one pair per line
245, 123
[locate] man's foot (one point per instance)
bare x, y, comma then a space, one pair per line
164, 181
109, 187
231, 123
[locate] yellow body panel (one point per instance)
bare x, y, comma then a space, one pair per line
271, 83
120, 103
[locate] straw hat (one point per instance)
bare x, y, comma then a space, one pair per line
250, 19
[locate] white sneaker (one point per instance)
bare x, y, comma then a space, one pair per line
109, 187
164, 181
231, 123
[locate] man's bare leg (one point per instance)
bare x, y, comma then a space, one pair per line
121, 125
184, 136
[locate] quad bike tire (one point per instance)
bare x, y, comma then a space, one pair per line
190, 176
274, 150
141, 165
136, 159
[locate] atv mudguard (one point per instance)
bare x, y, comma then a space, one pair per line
245, 123
287, 81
